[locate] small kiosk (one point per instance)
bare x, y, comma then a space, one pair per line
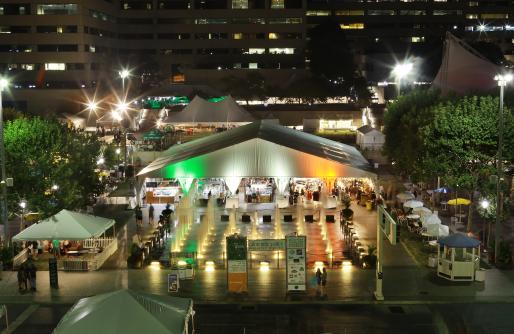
458, 257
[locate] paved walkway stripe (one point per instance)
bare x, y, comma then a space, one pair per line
21, 318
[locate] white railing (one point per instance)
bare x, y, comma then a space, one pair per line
20, 258
97, 242
107, 252
73, 264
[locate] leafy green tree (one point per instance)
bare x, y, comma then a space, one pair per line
53, 166
252, 85
403, 120
461, 142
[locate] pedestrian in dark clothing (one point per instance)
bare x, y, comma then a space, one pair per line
139, 216
151, 210
30, 273
22, 278
318, 279
323, 280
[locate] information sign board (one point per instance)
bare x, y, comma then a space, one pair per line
173, 283
296, 263
237, 266
266, 245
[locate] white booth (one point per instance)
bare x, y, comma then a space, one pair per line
458, 257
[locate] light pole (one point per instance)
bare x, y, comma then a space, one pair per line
122, 108
124, 73
400, 71
503, 80
3, 84
23, 205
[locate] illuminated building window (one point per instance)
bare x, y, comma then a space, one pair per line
272, 35
413, 12
239, 4
494, 16
253, 66
417, 39
55, 66
349, 12
352, 26
256, 51
286, 51
381, 12
472, 16
318, 13
238, 35
277, 4
57, 9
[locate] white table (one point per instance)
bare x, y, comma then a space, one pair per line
413, 217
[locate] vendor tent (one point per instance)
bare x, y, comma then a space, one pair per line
125, 311
260, 149
463, 69
202, 111
66, 225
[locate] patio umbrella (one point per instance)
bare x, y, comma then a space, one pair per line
429, 220
405, 196
422, 211
413, 204
459, 201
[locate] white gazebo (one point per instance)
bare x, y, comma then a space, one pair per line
458, 257
69, 225
369, 138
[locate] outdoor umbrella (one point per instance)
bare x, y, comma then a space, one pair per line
429, 220
422, 211
413, 204
459, 201
405, 196
443, 190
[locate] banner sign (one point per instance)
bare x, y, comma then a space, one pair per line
173, 283
296, 263
237, 266
387, 225
266, 245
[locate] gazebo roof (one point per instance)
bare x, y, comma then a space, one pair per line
459, 240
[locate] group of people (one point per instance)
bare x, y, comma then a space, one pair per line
27, 272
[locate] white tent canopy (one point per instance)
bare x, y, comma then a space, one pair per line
463, 69
261, 149
200, 111
125, 311
66, 225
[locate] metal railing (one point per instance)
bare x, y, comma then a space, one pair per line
100, 258
97, 242
109, 246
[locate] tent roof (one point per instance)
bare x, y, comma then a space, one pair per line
125, 311
262, 148
200, 110
464, 69
66, 225
459, 240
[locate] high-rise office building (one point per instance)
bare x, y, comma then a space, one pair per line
68, 48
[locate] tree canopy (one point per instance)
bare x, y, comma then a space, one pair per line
53, 166
403, 122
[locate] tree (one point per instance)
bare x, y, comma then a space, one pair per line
461, 142
41, 154
252, 85
403, 120
330, 54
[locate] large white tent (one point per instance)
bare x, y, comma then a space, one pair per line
463, 69
260, 149
201, 111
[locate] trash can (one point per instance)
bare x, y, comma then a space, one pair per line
369, 205
480, 275
432, 261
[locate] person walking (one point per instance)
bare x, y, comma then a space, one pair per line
318, 280
151, 210
30, 272
22, 278
139, 216
323, 281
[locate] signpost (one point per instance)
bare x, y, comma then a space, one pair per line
237, 265
296, 263
385, 226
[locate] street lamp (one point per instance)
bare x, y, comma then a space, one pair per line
4, 83
124, 73
23, 205
92, 106
484, 204
400, 71
503, 80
